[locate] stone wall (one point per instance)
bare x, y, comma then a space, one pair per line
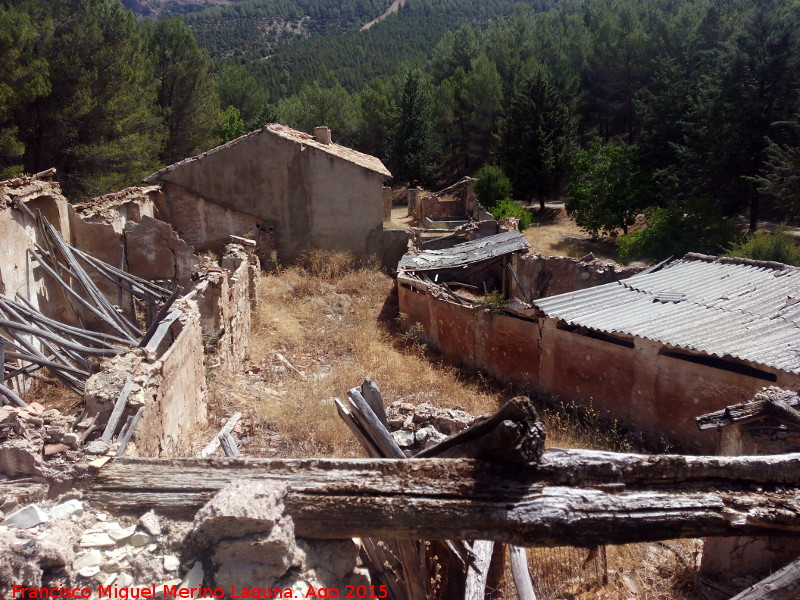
170, 383
311, 197
226, 299
633, 379
542, 276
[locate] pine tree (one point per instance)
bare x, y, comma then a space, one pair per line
537, 139
187, 95
413, 147
98, 125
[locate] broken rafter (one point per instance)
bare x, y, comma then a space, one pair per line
781, 585
576, 497
212, 446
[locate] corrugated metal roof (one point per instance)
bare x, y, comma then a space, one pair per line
722, 309
464, 254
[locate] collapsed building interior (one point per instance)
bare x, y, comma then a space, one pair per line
114, 482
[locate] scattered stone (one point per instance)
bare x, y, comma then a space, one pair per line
124, 580
149, 522
194, 577
96, 540
171, 563
52, 449
96, 447
404, 438
67, 509
122, 534
89, 571
148, 568
91, 558
25, 518
139, 539
69, 438
427, 435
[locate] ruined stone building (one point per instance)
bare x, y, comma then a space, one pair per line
654, 349
283, 188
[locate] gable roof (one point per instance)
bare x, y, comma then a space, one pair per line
359, 159
467, 253
721, 307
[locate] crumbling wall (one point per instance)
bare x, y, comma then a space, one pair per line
542, 276
457, 200
225, 300
170, 383
155, 252
633, 379
19, 274
309, 196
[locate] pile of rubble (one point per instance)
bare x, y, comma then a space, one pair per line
416, 427
42, 444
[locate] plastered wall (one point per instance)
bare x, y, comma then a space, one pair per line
631, 380
311, 197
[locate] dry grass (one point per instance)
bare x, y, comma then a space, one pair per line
556, 234
333, 319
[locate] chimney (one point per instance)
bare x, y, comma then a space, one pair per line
322, 135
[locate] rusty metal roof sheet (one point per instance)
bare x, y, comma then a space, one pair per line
461, 255
722, 309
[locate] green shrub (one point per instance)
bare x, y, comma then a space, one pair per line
763, 245
676, 231
492, 186
508, 208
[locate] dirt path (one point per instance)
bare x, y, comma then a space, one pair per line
396, 4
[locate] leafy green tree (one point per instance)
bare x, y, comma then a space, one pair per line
232, 124
508, 208
413, 147
98, 125
324, 102
237, 86
23, 78
778, 246
608, 188
377, 108
491, 186
537, 139
187, 95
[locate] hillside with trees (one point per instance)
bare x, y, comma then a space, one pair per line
683, 113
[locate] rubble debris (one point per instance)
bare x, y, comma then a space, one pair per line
415, 426
25, 518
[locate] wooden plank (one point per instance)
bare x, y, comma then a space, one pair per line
356, 429
376, 431
575, 497
372, 394
116, 413
521, 574
784, 411
514, 433
229, 445
154, 326
10, 395
212, 446
131, 427
162, 329
475, 587
781, 585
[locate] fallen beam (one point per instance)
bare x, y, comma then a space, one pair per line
576, 497
781, 585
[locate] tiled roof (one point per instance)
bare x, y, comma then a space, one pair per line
360, 159
464, 254
721, 308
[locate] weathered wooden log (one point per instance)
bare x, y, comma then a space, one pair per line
376, 431
372, 394
575, 497
475, 586
162, 312
521, 574
742, 412
514, 433
212, 446
116, 413
130, 428
781, 585
229, 445
784, 411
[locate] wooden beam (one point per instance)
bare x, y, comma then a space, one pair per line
521, 574
781, 585
576, 497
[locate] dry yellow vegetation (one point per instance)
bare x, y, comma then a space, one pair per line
333, 319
